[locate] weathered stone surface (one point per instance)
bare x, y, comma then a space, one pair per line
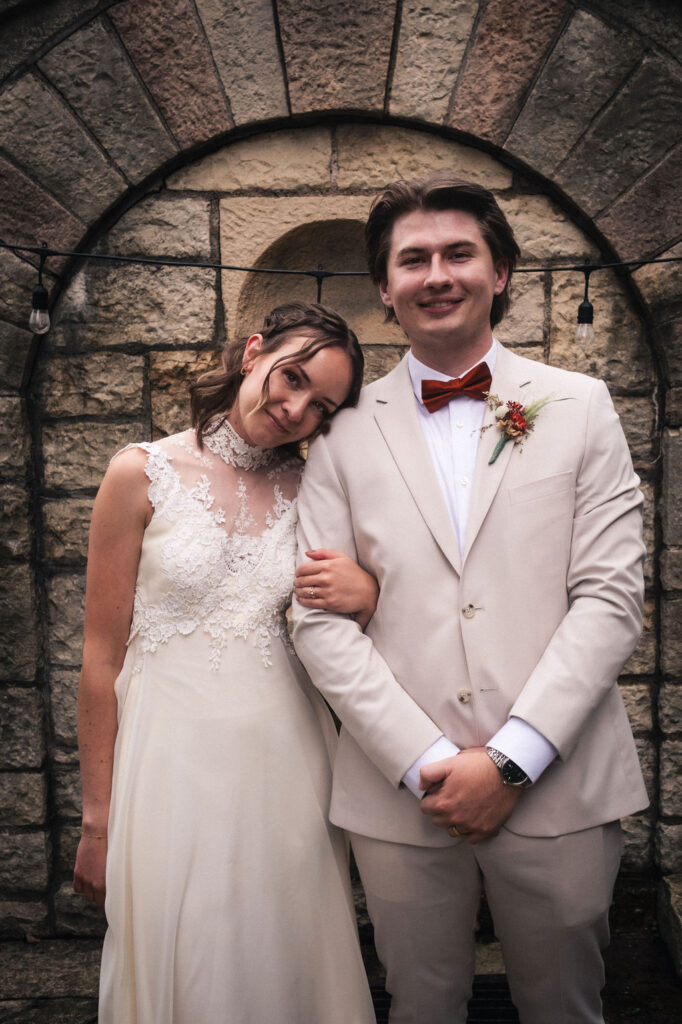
14, 441
23, 863
669, 331
66, 522
95, 75
75, 916
16, 347
380, 360
619, 353
646, 751
658, 21
33, 123
67, 792
57, 969
63, 707
101, 382
637, 700
509, 46
106, 307
67, 837
170, 375
524, 324
22, 742
535, 352
433, 38
162, 226
23, 919
643, 659
669, 847
671, 568
673, 407
670, 793
586, 66
671, 635
658, 192
18, 624
15, 538
544, 232
23, 36
166, 41
23, 798
633, 133
670, 708
243, 40
671, 505
18, 281
293, 159
77, 454
336, 55
372, 155
637, 842
65, 604
649, 532
637, 416
659, 283
670, 916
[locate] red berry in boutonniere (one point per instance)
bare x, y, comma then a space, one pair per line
515, 421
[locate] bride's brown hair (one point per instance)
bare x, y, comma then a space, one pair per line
214, 393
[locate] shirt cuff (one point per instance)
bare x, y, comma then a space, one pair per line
436, 752
525, 746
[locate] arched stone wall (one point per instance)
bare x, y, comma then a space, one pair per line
569, 110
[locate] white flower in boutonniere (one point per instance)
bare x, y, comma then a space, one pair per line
516, 421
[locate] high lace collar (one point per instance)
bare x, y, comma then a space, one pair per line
233, 449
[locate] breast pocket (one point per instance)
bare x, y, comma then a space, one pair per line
545, 487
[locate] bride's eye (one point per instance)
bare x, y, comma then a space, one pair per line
290, 377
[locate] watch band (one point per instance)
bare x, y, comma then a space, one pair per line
510, 773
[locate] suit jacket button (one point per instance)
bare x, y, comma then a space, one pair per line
464, 696
468, 611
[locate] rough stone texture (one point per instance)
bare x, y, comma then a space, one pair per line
97, 383
632, 134
372, 155
524, 324
22, 741
637, 700
18, 624
508, 48
643, 659
659, 283
63, 706
536, 352
23, 798
290, 160
671, 569
670, 915
77, 454
671, 504
243, 41
67, 792
649, 532
673, 407
380, 359
34, 123
659, 21
646, 751
58, 969
433, 38
165, 227
637, 833
669, 331
669, 847
75, 916
22, 918
16, 347
18, 281
23, 863
14, 440
170, 375
167, 43
637, 419
336, 54
618, 353
92, 71
65, 603
66, 522
586, 66
15, 538
544, 232
670, 708
143, 306
23, 36
671, 778
671, 635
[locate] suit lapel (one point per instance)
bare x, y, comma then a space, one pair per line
397, 417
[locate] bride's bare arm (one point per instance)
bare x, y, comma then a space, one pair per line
334, 582
120, 514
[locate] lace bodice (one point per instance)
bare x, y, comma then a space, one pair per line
219, 552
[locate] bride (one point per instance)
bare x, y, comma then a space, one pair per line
205, 751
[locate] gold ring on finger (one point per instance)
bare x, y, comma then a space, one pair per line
311, 592
454, 831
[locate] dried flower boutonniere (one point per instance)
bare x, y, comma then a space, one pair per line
515, 421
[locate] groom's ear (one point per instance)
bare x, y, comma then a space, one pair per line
385, 294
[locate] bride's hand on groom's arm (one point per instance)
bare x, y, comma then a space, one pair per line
332, 581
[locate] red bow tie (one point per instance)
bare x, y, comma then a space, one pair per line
475, 384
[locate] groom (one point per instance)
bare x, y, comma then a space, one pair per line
484, 739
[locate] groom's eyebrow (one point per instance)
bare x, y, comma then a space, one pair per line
323, 397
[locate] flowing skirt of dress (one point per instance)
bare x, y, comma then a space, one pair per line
228, 897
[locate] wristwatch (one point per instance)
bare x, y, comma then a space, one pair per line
510, 772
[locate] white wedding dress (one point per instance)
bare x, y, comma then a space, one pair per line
228, 899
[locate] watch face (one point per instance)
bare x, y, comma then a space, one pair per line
512, 774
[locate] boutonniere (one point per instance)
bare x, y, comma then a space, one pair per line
515, 421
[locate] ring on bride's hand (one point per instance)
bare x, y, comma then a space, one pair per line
311, 592
453, 830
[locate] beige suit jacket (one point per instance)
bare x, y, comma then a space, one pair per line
535, 619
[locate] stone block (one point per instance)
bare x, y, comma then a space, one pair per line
18, 624
507, 52
632, 134
52, 969
670, 780
671, 568
23, 863
637, 700
637, 843
15, 537
646, 751
381, 359
289, 160
164, 226
65, 606
671, 503
669, 336
67, 837
673, 407
670, 916
525, 322
170, 375
584, 69
23, 36
370, 156
35, 122
619, 353
167, 44
14, 438
63, 708
336, 55
431, 45
22, 733
94, 384
23, 797
66, 523
671, 635
77, 454
649, 533
670, 708
74, 915
67, 792
105, 307
91, 70
642, 661
534, 352
669, 846
23, 919
659, 283
638, 419
243, 40
16, 344
544, 232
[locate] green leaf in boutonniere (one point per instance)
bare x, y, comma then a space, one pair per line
516, 421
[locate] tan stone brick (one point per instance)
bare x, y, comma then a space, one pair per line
534, 352
65, 605
643, 659
15, 536
524, 324
97, 383
544, 232
67, 791
66, 523
162, 225
380, 359
431, 45
23, 798
370, 156
671, 505
18, 626
637, 837
646, 751
18, 281
14, 438
76, 454
670, 708
637, 700
63, 708
671, 568
16, 347
281, 161
671, 635
22, 736
170, 375
669, 846
671, 778
649, 532
637, 416
23, 864
659, 283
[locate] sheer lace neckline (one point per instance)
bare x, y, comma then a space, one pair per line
226, 443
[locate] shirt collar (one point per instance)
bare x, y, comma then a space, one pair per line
420, 371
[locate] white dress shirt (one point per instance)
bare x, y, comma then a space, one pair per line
452, 434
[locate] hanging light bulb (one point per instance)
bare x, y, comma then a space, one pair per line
39, 320
584, 333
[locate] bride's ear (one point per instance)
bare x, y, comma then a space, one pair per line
251, 350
